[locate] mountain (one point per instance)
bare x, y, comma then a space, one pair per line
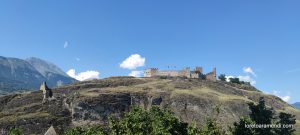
91, 102
53, 74
296, 105
19, 75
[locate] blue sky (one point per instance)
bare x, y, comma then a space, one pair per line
101, 34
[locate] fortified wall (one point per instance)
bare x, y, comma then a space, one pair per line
186, 72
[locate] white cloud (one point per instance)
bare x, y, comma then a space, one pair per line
284, 98
136, 73
66, 44
247, 79
132, 62
83, 76
249, 70
77, 59
242, 78
228, 78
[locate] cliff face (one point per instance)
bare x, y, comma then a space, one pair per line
88, 103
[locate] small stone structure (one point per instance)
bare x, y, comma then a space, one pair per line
186, 72
51, 131
47, 92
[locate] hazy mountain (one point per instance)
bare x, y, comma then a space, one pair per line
296, 105
17, 74
53, 74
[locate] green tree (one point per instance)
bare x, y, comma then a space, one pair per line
15, 131
222, 77
284, 120
193, 130
211, 128
239, 128
144, 122
234, 80
260, 114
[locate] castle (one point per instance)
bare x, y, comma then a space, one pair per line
186, 72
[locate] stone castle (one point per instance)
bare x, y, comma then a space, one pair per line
186, 72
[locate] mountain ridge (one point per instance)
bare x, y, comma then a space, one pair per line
296, 105
23, 75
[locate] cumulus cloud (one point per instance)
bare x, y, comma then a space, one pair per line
132, 62
242, 78
136, 73
245, 78
83, 76
66, 44
284, 98
249, 70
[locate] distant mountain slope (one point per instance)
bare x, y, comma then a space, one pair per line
296, 105
17, 74
53, 74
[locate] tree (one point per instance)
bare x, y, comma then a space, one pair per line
286, 119
260, 114
240, 128
193, 130
143, 122
234, 80
15, 131
222, 77
211, 128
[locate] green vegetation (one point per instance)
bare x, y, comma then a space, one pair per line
222, 77
285, 119
149, 122
237, 81
261, 115
15, 131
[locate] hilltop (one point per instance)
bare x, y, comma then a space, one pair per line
91, 102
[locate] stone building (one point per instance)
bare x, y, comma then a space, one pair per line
47, 92
186, 72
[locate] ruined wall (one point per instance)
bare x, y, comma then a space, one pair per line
186, 72
172, 73
212, 75
195, 75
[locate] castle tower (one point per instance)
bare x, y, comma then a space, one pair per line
212, 75
47, 92
151, 72
199, 70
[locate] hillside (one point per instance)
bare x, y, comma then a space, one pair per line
17, 74
91, 102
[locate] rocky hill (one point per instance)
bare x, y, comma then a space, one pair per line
17, 74
91, 102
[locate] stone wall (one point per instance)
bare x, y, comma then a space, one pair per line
186, 72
